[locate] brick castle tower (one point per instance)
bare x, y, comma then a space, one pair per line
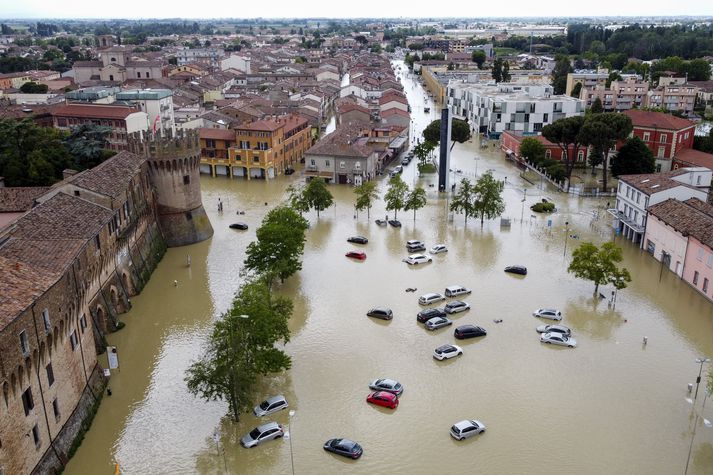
174, 161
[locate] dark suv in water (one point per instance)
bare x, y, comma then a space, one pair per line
469, 331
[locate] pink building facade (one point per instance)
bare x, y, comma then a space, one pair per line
698, 269
666, 244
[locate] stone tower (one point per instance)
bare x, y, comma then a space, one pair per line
174, 161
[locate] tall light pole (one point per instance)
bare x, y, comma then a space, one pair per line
702, 360
292, 459
706, 422
566, 235
524, 197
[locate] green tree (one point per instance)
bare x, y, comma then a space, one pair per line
698, 70
633, 158
532, 150
395, 196
478, 57
599, 264
489, 201
460, 132
576, 90
506, 72
241, 347
601, 131
565, 133
415, 200
277, 252
497, 70
31, 87
366, 194
31, 155
296, 198
87, 143
317, 195
464, 199
597, 107
559, 74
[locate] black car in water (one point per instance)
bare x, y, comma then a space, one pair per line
241, 226
469, 331
358, 239
344, 447
520, 270
425, 315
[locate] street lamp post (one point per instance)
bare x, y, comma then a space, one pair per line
524, 197
700, 361
292, 459
566, 235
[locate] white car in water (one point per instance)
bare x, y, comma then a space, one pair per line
549, 313
439, 248
554, 338
446, 352
416, 259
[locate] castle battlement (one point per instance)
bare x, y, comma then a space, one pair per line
166, 146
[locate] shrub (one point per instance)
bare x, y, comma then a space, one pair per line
543, 207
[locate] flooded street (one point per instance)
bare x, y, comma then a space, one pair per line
612, 405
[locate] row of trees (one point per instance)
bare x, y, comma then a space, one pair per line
482, 199
245, 343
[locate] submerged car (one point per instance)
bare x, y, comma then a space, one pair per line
447, 351
456, 290
425, 315
432, 297
468, 428
456, 306
356, 255
558, 339
554, 329
395, 223
520, 270
548, 313
381, 222
415, 246
438, 322
358, 239
469, 331
240, 226
270, 406
416, 259
381, 312
439, 248
384, 399
344, 447
388, 385
261, 434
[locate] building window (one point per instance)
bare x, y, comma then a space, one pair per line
326, 162
189, 216
700, 254
83, 322
27, 402
73, 340
55, 409
97, 241
695, 278
111, 77
36, 435
663, 138
662, 152
548, 153
705, 285
147, 74
256, 159
342, 165
50, 374
647, 136
186, 179
138, 75
46, 320
24, 345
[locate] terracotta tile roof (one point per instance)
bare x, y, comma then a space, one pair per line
62, 217
269, 125
343, 142
657, 120
19, 287
395, 111
695, 158
218, 134
692, 217
19, 199
93, 111
52, 255
345, 107
111, 177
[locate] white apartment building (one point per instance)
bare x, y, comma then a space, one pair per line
637, 192
157, 103
493, 109
211, 56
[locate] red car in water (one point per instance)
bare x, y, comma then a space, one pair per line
356, 255
383, 398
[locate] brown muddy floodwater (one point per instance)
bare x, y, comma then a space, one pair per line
609, 406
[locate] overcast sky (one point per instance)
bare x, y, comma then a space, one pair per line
344, 9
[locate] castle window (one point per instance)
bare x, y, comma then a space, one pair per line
73, 340
36, 435
186, 179
55, 409
27, 402
83, 322
24, 345
50, 374
189, 216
